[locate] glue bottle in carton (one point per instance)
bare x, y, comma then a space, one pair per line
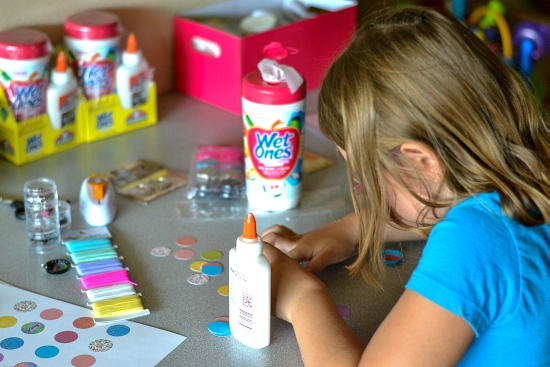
132, 76
62, 96
273, 116
250, 289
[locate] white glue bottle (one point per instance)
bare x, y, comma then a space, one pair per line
273, 99
62, 95
131, 76
250, 289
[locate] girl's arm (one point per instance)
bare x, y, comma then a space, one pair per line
417, 332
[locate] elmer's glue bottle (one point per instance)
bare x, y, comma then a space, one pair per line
131, 76
62, 95
273, 117
250, 289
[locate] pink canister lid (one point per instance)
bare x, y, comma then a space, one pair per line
92, 25
24, 44
257, 90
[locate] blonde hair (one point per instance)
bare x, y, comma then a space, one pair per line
415, 74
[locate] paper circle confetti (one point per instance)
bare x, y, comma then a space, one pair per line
25, 364
197, 279
344, 311
46, 351
392, 257
197, 265
83, 323
100, 345
66, 337
24, 306
222, 318
83, 360
212, 270
219, 328
186, 241
212, 255
7, 321
11, 343
32, 328
118, 330
184, 254
161, 251
51, 314
224, 290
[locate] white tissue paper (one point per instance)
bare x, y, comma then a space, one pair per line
273, 72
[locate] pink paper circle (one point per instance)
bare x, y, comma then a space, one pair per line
83, 360
51, 314
66, 337
186, 241
184, 254
83, 323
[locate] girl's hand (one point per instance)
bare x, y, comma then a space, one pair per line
291, 284
324, 246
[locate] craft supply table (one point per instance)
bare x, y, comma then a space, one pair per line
176, 305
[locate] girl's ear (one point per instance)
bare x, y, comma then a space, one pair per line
424, 159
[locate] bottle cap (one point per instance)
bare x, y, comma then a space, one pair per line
256, 89
24, 44
61, 63
276, 51
249, 230
99, 185
92, 25
131, 44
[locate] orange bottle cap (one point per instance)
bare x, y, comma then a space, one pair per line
99, 185
249, 230
131, 44
61, 64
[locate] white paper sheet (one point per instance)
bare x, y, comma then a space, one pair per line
43, 332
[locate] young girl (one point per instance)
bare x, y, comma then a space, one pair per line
442, 141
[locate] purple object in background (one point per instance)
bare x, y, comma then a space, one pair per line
537, 32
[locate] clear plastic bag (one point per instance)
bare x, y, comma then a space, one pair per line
217, 173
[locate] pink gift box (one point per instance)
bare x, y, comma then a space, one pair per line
210, 59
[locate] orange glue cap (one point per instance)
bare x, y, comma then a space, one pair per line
61, 64
249, 230
131, 44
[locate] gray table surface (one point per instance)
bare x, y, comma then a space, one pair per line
175, 305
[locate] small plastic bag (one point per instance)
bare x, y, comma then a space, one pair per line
217, 173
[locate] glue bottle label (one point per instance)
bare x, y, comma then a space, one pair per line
67, 108
242, 302
138, 88
273, 142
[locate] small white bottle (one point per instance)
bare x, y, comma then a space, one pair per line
62, 95
131, 76
250, 289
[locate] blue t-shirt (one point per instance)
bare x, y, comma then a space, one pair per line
495, 273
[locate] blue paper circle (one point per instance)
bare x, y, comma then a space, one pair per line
12, 343
212, 270
219, 328
118, 330
47, 351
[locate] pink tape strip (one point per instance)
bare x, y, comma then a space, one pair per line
105, 279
